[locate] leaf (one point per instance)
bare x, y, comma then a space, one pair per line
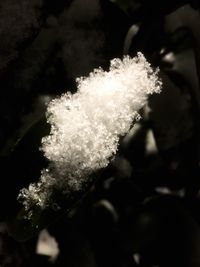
22, 228
21, 162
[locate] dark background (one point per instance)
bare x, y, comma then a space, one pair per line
144, 209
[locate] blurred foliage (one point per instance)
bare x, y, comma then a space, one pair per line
144, 208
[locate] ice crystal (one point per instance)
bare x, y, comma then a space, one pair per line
86, 126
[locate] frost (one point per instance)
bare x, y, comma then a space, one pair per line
86, 126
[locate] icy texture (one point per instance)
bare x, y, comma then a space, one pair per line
86, 126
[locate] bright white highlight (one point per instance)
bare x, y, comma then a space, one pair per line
47, 245
86, 126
